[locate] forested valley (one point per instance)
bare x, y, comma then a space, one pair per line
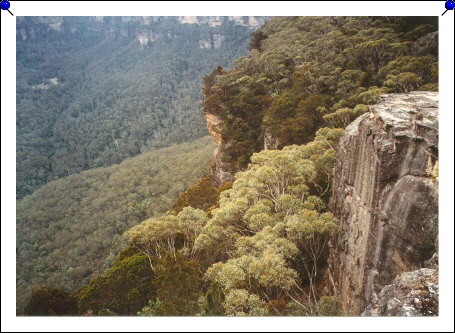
93, 92
255, 243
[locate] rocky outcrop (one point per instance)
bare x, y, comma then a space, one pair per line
213, 121
426, 44
214, 42
385, 195
213, 21
143, 38
271, 142
221, 171
205, 44
217, 40
139, 27
410, 294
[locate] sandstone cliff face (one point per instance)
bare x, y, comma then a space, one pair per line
221, 171
213, 21
385, 195
112, 27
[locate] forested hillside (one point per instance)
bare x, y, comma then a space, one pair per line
306, 72
264, 249
257, 243
94, 91
70, 230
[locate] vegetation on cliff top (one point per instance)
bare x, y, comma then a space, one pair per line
306, 72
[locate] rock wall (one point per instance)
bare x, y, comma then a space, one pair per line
213, 21
221, 171
385, 195
138, 27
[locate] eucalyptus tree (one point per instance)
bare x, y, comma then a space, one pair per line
269, 225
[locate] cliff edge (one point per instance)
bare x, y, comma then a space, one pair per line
385, 195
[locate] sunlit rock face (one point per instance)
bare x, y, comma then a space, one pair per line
385, 195
221, 171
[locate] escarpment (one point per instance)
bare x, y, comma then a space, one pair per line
385, 195
221, 171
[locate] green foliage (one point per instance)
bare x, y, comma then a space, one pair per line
203, 195
69, 231
48, 301
419, 31
351, 80
104, 109
256, 39
255, 246
107, 312
151, 309
162, 237
239, 302
403, 82
425, 67
299, 124
430, 87
329, 306
178, 284
303, 73
211, 304
168, 245
270, 230
372, 94
344, 116
123, 290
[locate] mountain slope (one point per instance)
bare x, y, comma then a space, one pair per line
70, 230
94, 91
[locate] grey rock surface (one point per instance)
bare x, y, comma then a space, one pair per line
385, 195
410, 294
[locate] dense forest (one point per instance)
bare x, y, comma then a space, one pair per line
258, 245
306, 72
91, 93
69, 230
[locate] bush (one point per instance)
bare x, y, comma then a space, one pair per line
203, 195
328, 306
123, 290
48, 301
